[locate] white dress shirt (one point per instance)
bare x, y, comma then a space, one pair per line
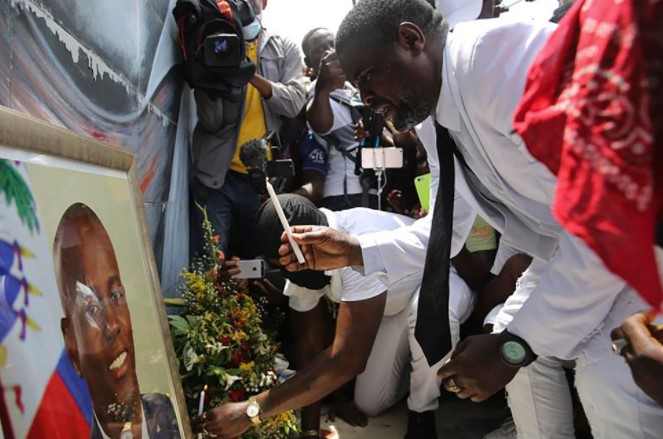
340, 170
483, 77
400, 253
348, 285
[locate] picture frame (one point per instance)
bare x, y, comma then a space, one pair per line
71, 217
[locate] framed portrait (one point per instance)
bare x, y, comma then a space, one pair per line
85, 349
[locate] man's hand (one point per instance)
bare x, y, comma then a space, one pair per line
476, 369
226, 421
330, 74
323, 248
643, 353
273, 294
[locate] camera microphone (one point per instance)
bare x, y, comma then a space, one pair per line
253, 154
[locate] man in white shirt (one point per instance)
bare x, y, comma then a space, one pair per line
332, 115
374, 337
472, 79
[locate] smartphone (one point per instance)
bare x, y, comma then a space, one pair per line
422, 185
382, 158
251, 269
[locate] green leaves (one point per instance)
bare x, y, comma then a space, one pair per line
18, 192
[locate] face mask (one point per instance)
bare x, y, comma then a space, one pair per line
309, 279
252, 30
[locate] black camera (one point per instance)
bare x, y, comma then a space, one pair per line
223, 50
212, 44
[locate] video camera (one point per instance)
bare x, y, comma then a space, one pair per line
212, 44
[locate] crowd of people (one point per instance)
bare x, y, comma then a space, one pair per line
537, 229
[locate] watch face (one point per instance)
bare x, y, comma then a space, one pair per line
252, 410
513, 352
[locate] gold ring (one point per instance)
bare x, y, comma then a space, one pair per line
452, 386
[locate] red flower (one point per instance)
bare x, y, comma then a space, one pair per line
237, 395
216, 238
235, 359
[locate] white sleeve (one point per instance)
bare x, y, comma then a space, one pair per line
357, 287
574, 294
302, 299
402, 252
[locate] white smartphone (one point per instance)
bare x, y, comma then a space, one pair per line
382, 158
251, 269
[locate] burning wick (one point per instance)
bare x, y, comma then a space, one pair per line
200, 406
284, 223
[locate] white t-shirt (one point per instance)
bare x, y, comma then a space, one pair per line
347, 285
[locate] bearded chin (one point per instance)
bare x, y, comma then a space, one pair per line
409, 115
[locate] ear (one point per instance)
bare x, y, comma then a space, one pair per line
70, 344
411, 38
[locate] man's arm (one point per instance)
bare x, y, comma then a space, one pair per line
286, 97
331, 77
310, 330
356, 328
313, 185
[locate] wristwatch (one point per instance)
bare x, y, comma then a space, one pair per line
515, 351
253, 411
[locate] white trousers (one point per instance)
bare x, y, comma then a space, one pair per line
396, 355
616, 408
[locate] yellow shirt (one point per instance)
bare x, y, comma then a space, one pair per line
253, 125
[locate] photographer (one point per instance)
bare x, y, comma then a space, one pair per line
332, 116
221, 184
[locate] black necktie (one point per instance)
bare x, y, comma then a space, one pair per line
432, 330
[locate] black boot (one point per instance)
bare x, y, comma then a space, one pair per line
421, 425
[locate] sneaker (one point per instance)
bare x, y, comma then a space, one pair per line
506, 431
421, 425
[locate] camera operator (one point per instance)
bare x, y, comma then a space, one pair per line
221, 183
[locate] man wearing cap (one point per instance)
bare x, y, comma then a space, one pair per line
373, 341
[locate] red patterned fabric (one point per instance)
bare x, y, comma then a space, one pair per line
592, 112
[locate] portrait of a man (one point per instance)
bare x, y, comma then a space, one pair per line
98, 332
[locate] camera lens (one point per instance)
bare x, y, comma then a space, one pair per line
220, 47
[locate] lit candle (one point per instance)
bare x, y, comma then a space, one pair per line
284, 223
200, 406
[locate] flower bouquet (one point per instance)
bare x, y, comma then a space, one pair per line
219, 343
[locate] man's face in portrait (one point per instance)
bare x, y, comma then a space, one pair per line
97, 327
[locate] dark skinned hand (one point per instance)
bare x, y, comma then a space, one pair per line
324, 249
643, 353
476, 367
267, 289
330, 73
226, 421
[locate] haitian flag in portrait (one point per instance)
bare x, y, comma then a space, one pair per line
42, 395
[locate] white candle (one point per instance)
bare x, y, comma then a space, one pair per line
284, 223
201, 404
